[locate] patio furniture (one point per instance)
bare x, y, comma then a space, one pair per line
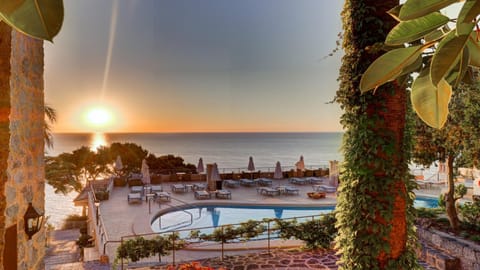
298, 181
231, 183
291, 190
315, 180
325, 188
264, 182
179, 188
136, 189
156, 188
247, 182
202, 195
223, 194
134, 197
269, 191
162, 196
200, 186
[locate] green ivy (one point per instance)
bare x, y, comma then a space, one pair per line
373, 160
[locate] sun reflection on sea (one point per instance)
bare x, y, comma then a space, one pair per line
98, 139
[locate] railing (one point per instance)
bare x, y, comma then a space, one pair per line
270, 169
268, 235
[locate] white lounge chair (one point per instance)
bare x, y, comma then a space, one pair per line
134, 197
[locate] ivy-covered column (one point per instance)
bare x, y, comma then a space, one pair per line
374, 211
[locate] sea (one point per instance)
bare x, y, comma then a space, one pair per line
231, 152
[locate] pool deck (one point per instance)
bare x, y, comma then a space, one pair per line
121, 218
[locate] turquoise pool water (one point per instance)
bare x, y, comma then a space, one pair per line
215, 215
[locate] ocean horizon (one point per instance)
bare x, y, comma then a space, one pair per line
230, 150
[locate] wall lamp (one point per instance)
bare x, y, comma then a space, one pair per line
33, 221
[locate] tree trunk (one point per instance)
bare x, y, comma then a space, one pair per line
450, 197
372, 205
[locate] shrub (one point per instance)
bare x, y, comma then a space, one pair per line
318, 233
101, 195
423, 212
138, 248
470, 213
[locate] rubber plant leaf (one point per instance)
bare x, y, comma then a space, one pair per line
37, 18
394, 12
434, 35
430, 102
446, 54
389, 66
413, 9
469, 11
457, 73
474, 48
408, 31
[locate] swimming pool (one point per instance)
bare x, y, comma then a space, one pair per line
216, 215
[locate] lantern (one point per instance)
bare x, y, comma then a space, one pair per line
33, 221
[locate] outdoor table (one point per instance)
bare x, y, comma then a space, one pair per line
149, 196
265, 182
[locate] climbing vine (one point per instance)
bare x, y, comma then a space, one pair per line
375, 203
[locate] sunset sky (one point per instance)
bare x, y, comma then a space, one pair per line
195, 66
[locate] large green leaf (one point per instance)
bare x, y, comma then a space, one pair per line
37, 18
474, 49
430, 102
408, 31
445, 56
389, 66
394, 12
469, 11
434, 35
455, 76
413, 9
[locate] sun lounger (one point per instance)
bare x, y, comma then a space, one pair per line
223, 194
156, 188
231, 183
291, 190
325, 188
136, 189
247, 182
202, 195
315, 180
179, 188
162, 196
134, 197
264, 182
199, 187
298, 181
269, 191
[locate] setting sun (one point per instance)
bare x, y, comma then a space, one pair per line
99, 117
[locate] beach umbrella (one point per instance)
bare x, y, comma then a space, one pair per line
118, 164
200, 168
278, 171
145, 173
251, 166
216, 173
300, 165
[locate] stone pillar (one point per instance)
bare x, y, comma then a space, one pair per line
333, 172
21, 144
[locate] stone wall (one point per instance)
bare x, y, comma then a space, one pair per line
22, 107
467, 252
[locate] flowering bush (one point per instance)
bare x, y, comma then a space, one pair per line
192, 266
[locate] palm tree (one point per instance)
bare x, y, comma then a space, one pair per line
51, 118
